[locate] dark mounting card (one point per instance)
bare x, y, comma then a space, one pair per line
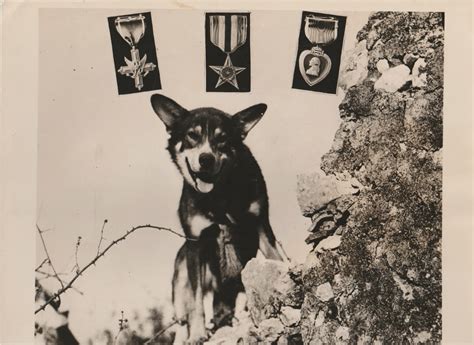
133, 46
319, 52
227, 52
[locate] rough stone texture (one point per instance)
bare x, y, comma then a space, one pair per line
392, 79
274, 293
353, 66
269, 285
315, 191
290, 316
239, 332
385, 276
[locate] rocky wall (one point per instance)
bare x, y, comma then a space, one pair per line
374, 274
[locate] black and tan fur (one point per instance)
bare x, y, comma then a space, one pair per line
223, 206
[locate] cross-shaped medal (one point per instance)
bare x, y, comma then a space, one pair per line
137, 68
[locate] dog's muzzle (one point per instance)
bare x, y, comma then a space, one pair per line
203, 180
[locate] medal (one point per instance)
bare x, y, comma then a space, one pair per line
132, 29
315, 64
228, 33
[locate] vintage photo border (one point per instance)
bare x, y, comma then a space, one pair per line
19, 149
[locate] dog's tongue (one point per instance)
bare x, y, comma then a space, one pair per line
204, 187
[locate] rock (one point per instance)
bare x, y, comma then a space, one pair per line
364, 340
315, 191
324, 292
422, 337
409, 59
382, 65
383, 283
393, 79
419, 78
239, 332
423, 121
223, 335
329, 243
269, 285
342, 334
270, 329
319, 319
354, 105
407, 289
353, 68
290, 316
330, 219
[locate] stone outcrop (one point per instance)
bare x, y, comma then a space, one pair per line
375, 272
274, 293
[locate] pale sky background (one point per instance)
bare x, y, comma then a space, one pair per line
102, 156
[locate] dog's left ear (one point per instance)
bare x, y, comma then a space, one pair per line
248, 118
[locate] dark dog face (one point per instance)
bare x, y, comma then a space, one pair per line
203, 142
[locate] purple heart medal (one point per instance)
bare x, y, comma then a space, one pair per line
315, 64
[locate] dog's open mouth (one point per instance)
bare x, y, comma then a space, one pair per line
203, 181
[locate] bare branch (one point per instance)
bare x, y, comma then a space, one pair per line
48, 257
49, 275
78, 243
163, 330
283, 250
101, 254
41, 265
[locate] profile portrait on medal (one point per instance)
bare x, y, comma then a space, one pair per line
313, 66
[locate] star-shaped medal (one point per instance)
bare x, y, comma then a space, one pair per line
227, 73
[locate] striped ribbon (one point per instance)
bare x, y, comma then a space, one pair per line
228, 32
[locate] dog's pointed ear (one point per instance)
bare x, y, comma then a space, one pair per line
248, 118
167, 110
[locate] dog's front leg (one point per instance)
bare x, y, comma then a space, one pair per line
182, 296
196, 270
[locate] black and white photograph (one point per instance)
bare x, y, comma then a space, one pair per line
190, 190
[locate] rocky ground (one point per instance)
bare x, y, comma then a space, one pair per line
373, 274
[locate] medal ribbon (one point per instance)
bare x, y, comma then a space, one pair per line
228, 32
320, 30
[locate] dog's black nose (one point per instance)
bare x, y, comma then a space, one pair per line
206, 160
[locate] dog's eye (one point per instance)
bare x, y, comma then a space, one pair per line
221, 138
193, 136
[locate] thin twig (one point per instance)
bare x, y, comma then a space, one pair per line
41, 264
101, 236
48, 257
283, 250
102, 253
163, 330
78, 243
49, 275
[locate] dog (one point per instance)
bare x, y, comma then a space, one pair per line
223, 210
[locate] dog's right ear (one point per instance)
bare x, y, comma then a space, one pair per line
167, 110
